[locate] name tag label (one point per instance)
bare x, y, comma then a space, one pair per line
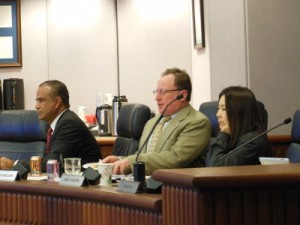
9, 175
128, 186
73, 180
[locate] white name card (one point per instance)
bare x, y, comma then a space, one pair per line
73, 180
9, 175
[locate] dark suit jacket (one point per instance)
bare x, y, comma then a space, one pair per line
72, 138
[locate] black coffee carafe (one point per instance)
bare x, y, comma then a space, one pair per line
118, 102
104, 117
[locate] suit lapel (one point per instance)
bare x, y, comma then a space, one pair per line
147, 130
172, 125
57, 126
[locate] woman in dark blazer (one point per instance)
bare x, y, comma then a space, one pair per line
239, 121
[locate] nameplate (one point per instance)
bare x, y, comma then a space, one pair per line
73, 180
128, 186
9, 175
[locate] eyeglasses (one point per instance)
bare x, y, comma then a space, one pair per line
163, 91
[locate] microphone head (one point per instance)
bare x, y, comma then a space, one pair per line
178, 97
287, 120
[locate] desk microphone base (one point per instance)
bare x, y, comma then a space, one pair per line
152, 186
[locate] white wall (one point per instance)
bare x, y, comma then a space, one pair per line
34, 50
251, 43
82, 48
75, 42
228, 51
68, 41
153, 37
201, 73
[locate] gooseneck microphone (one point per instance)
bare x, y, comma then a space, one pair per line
139, 167
157, 121
286, 121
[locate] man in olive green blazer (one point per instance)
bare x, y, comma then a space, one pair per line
182, 143
184, 139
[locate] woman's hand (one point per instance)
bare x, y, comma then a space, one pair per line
226, 129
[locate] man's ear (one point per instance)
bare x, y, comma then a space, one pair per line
58, 101
184, 93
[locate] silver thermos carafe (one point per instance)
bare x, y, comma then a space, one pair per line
104, 117
118, 102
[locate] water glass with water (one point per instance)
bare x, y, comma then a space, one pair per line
72, 166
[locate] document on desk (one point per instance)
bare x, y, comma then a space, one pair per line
37, 177
273, 160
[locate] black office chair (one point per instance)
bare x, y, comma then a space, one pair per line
294, 149
210, 110
131, 121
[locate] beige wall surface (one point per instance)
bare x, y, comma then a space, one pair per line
76, 42
274, 56
152, 38
34, 50
250, 43
256, 44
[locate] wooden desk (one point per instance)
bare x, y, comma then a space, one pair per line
39, 202
248, 195
279, 144
106, 144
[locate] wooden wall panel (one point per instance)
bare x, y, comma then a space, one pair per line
235, 208
20, 208
279, 206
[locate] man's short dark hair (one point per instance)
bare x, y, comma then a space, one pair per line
182, 80
58, 89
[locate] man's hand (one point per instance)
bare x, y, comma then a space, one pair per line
6, 163
110, 159
120, 165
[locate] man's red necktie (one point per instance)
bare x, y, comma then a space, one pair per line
49, 134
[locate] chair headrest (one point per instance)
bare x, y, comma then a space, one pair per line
22, 126
263, 113
132, 119
210, 110
296, 127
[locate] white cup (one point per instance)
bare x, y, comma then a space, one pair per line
72, 166
105, 169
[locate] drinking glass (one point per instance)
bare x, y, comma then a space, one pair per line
72, 166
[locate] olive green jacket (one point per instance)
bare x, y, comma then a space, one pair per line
183, 142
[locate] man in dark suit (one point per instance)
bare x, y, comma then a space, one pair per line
70, 136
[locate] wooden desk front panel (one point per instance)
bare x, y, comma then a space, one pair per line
183, 206
237, 195
37, 209
27, 207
